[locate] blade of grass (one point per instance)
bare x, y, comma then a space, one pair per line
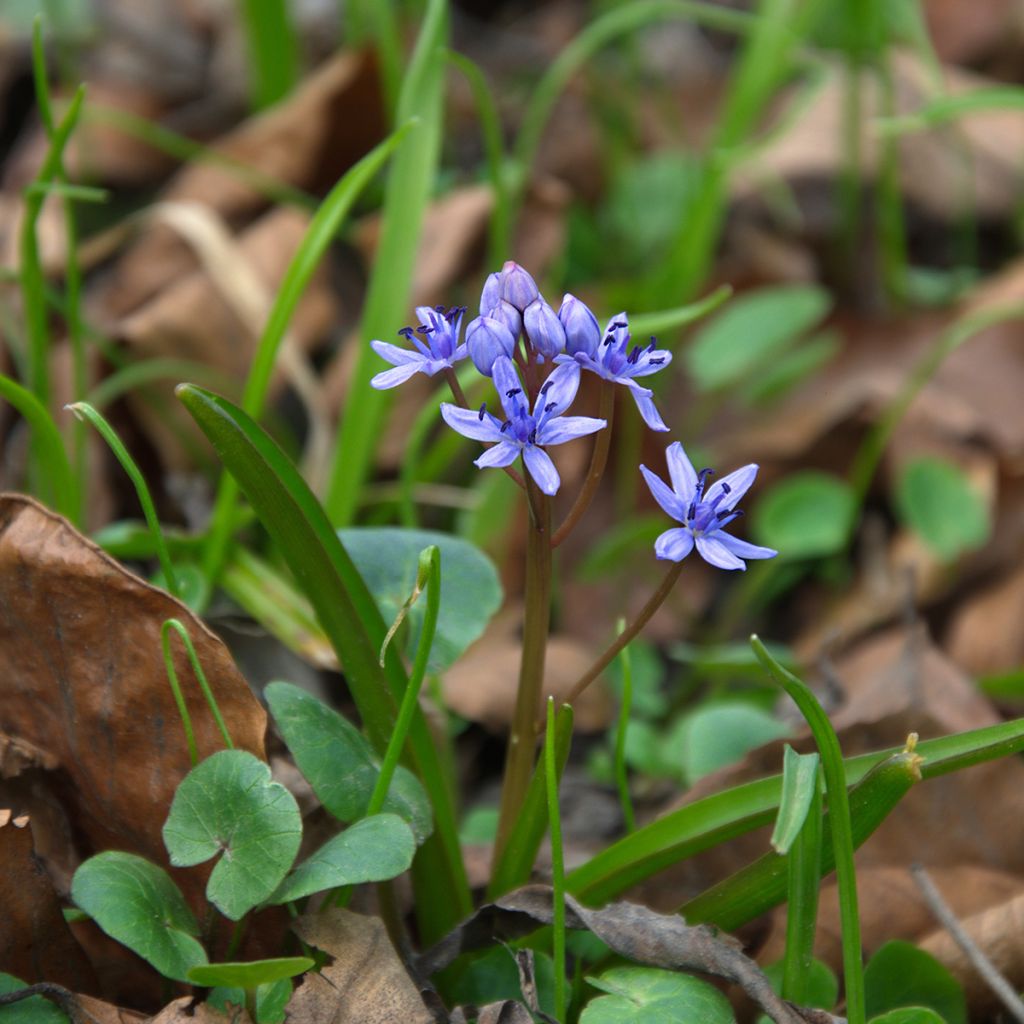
410, 180
322, 230
374, 21
53, 459
273, 50
106, 431
149, 371
346, 610
951, 108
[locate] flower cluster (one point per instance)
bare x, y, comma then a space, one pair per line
535, 358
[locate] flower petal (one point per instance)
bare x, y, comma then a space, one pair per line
396, 375
502, 454
509, 387
469, 423
741, 549
664, 495
542, 469
714, 551
565, 428
681, 472
652, 362
648, 410
736, 484
674, 545
558, 391
394, 354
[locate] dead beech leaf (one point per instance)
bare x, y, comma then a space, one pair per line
365, 981
85, 679
35, 941
631, 930
187, 1011
966, 33
998, 932
509, 1011
984, 634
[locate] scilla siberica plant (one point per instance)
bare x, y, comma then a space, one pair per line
535, 358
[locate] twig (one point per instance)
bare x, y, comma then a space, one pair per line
64, 998
975, 955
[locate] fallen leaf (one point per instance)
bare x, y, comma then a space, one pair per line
35, 942
365, 980
984, 634
91, 688
187, 1010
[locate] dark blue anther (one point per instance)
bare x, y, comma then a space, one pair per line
634, 355
483, 409
512, 392
532, 439
406, 332
619, 324
656, 362
549, 406
726, 488
609, 339
505, 426
545, 387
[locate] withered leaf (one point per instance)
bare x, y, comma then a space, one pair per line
631, 930
187, 1011
35, 941
366, 980
85, 679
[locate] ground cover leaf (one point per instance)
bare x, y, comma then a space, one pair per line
649, 995
365, 979
228, 804
339, 762
807, 515
250, 974
900, 974
91, 689
387, 559
372, 850
135, 902
34, 1010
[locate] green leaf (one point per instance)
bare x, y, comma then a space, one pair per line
807, 515
799, 783
718, 735
479, 826
338, 761
822, 985
649, 995
271, 1000
751, 331
387, 559
909, 1015
901, 975
229, 804
493, 975
935, 499
372, 850
33, 1010
136, 903
251, 974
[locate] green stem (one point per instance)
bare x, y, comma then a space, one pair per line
803, 869
86, 411
629, 633
598, 461
621, 776
842, 828
536, 624
557, 862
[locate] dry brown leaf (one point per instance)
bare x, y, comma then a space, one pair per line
365, 982
984, 634
85, 679
964, 33
187, 1011
506, 1012
35, 942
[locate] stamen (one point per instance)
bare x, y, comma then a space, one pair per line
424, 329
619, 324
545, 387
726, 488
512, 392
653, 345
634, 355
439, 309
609, 339
483, 409
550, 406
656, 362
532, 438
406, 332
505, 426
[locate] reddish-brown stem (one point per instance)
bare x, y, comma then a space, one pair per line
536, 622
598, 461
653, 604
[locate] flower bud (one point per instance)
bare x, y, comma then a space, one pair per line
507, 314
491, 294
487, 339
582, 332
517, 287
544, 329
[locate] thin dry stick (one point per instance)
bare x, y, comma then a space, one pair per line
975, 956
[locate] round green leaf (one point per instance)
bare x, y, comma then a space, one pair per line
339, 763
136, 903
753, 329
34, 1010
229, 804
248, 975
807, 515
387, 558
822, 985
718, 735
901, 975
937, 502
372, 850
649, 995
490, 976
909, 1015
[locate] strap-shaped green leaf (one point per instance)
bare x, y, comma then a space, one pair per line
251, 974
229, 804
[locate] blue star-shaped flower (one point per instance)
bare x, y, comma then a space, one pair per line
524, 432
703, 515
440, 348
612, 358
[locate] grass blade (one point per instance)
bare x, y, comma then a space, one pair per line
273, 50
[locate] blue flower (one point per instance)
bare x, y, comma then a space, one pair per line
525, 433
439, 350
487, 338
703, 515
612, 358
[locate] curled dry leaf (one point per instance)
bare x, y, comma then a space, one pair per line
188, 1011
365, 982
85, 679
631, 930
35, 941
